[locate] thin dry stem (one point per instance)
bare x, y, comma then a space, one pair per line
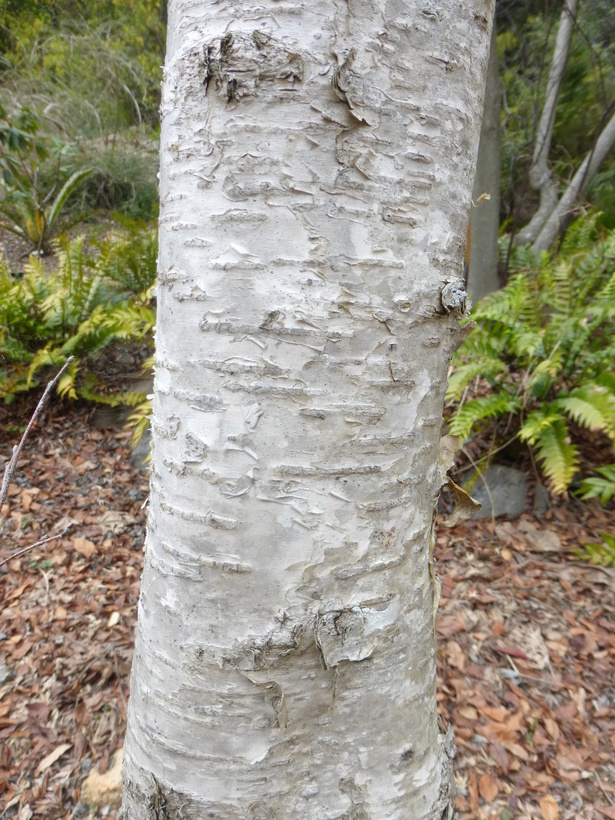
45, 540
10, 467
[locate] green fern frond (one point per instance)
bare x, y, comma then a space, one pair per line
468, 417
558, 457
463, 374
139, 420
602, 488
66, 382
537, 421
592, 407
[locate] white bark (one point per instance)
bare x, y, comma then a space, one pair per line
564, 210
285, 655
540, 176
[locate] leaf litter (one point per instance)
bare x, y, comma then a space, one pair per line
526, 653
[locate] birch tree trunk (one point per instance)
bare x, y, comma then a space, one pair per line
540, 176
317, 164
563, 212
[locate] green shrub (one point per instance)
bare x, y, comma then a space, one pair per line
126, 178
545, 345
91, 299
95, 71
31, 200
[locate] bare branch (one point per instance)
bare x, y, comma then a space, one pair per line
10, 467
45, 540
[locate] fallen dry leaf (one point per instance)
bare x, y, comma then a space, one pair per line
529, 639
549, 808
455, 655
488, 788
116, 522
539, 540
84, 547
105, 789
51, 758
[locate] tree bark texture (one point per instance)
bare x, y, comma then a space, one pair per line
317, 163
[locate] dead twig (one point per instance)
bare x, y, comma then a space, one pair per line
10, 467
45, 540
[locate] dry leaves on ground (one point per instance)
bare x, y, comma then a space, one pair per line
526, 652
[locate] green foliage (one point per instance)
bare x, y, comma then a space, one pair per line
139, 419
546, 346
602, 554
95, 66
94, 297
32, 202
602, 488
126, 175
94, 69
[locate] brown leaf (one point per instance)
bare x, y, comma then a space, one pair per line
27, 496
498, 629
518, 751
84, 547
51, 758
15, 593
497, 713
447, 627
465, 506
468, 712
473, 793
499, 733
539, 540
500, 756
455, 655
488, 788
549, 808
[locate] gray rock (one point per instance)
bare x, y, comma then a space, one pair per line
507, 489
140, 454
106, 417
543, 501
501, 491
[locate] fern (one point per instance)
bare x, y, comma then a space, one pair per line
77, 309
559, 458
546, 345
602, 488
602, 554
478, 410
592, 407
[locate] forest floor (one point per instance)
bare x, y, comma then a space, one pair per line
526, 656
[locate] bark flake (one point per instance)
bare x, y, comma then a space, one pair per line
238, 63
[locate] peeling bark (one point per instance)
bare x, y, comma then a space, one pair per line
316, 172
